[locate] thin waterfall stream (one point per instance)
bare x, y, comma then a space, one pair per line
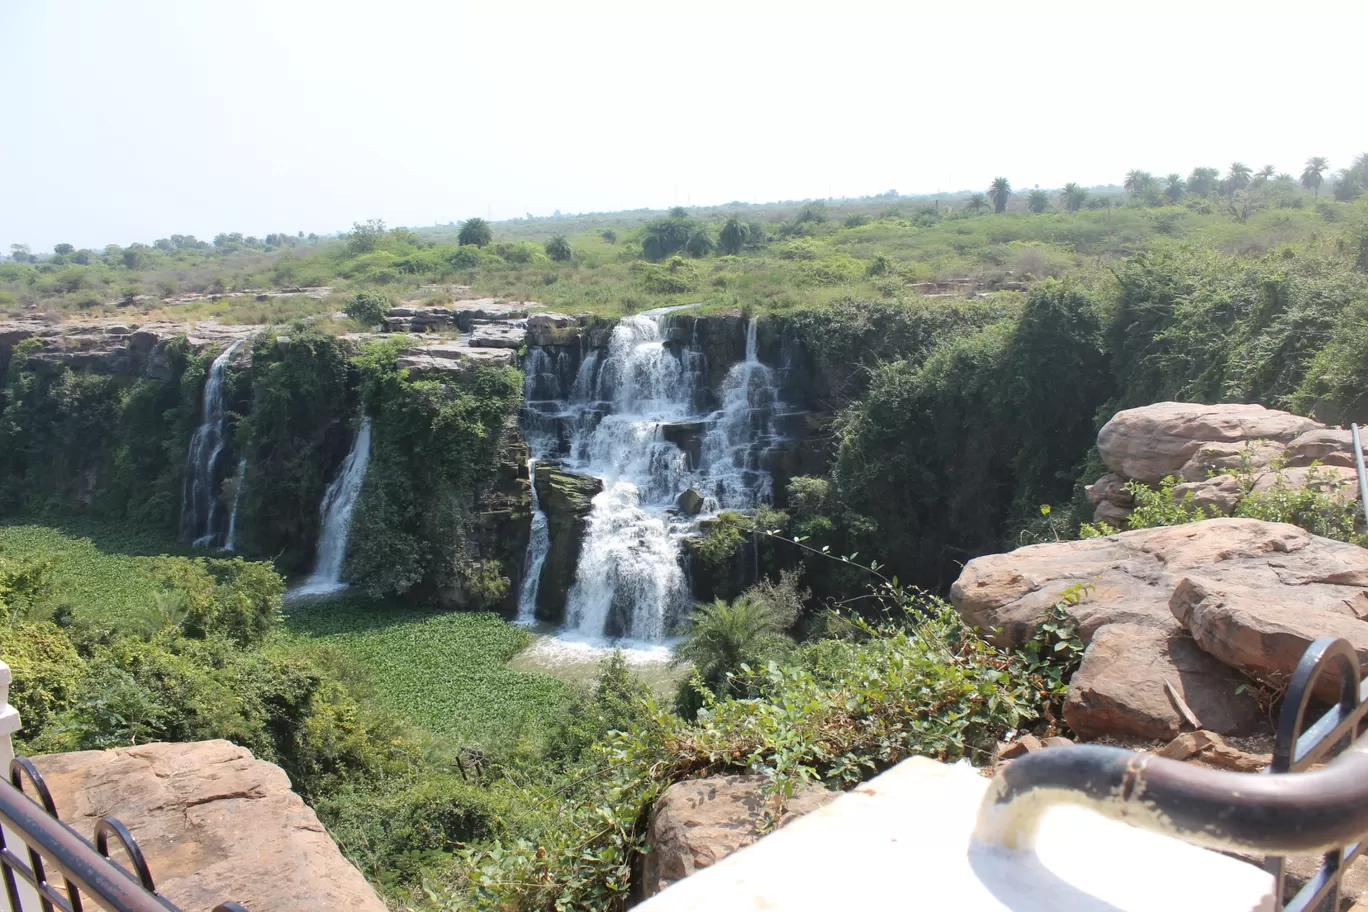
335, 513
199, 525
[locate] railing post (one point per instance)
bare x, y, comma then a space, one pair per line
9, 725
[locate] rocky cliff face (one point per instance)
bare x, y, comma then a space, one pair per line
567, 499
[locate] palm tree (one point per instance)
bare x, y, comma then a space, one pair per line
558, 248
1038, 201
1073, 197
679, 212
1174, 187
998, 191
666, 236
1202, 181
1265, 174
976, 203
732, 236
1312, 175
475, 231
700, 242
721, 637
1137, 181
1237, 178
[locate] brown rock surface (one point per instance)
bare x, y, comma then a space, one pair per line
1134, 574
1151, 442
1120, 688
214, 823
1329, 446
699, 822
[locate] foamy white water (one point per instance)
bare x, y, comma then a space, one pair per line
199, 500
335, 513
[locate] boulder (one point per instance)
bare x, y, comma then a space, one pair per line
1264, 633
547, 329
567, 499
1335, 481
497, 335
688, 436
1133, 677
1154, 441
1328, 446
214, 823
1133, 575
690, 503
1241, 456
699, 822
1221, 492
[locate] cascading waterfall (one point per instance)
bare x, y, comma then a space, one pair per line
609, 420
537, 547
200, 500
231, 539
335, 512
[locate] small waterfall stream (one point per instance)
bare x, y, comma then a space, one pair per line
231, 538
610, 419
200, 500
335, 513
537, 547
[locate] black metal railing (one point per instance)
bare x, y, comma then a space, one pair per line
87, 872
1292, 811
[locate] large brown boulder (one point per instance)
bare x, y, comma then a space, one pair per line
567, 499
1149, 443
700, 822
1132, 679
1132, 575
214, 823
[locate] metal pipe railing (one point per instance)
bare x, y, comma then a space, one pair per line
1362, 475
1289, 812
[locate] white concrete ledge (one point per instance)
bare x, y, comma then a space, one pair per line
904, 841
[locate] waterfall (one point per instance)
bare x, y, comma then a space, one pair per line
231, 539
537, 547
335, 513
611, 420
200, 501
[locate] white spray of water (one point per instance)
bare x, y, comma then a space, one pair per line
199, 501
335, 512
231, 539
537, 548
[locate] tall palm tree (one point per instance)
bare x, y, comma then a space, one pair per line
1073, 197
1137, 181
732, 236
1038, 201
558, 248
1237, 178
1265, 174
1202, 181
475, 231
1313, 174
976, 203
998, 191
1174, 187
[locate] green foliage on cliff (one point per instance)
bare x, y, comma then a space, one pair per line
101, 444
435, 447
297, 432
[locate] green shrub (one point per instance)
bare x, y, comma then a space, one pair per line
368, 308
46, 672
719, 543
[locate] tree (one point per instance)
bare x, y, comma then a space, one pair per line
976, 203
719, 638
558, 248
363, 238
1265, 174
731, 238
812, 212
666, 237
1237, 178
1073, 197
19, 253
1347, 185
700, 242
368, 308
1174, 187
63, 249
609, 235
1038, 201
1202, 181
1313, 174
998, 191
475, 231
1137, 181
679, 212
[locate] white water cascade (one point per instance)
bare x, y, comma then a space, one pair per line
231, 538
611, 420
200, 501
335, 512
537, 547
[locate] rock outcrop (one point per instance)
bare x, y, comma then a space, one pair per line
699, 822
1172, 616
1200, 445
214, 823
566, 498
106, 347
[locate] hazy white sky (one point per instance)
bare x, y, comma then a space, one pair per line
129, 120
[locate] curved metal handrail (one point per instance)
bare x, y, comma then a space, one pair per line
1290, 812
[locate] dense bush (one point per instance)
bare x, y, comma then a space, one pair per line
368, 308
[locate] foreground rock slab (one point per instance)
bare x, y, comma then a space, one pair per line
215, 824
905, 841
